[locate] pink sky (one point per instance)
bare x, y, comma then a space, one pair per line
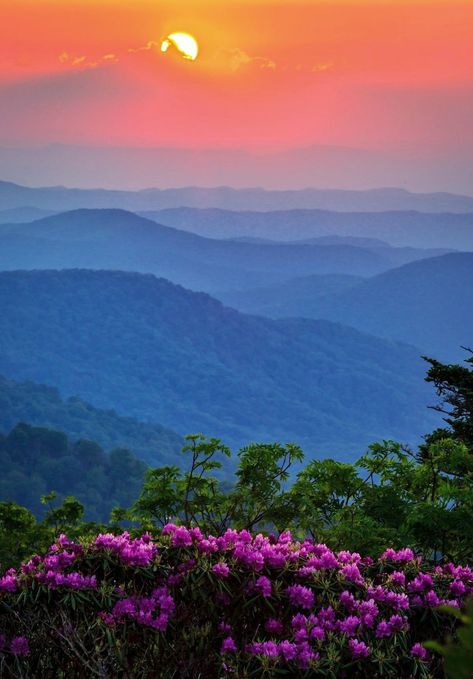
383, 76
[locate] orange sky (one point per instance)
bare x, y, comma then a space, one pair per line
378, 75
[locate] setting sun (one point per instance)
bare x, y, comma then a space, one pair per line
185, 44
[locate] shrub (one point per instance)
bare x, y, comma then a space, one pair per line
181, 604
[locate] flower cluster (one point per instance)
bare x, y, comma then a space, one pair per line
18, 646
288, 604
139, 552
153, 611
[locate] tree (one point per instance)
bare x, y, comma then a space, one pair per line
454, 386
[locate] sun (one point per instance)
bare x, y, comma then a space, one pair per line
186, 45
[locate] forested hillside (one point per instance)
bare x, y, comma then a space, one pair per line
43, 406
426, 303
164, 354
36, 460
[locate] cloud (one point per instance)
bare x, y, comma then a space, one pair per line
151, 44
85, 62
323, 66
238, 58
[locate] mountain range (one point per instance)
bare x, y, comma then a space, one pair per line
399, 228
60, 199
120, 240
321, 165
160, 353
428, 303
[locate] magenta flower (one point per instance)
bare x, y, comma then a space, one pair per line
403, 555
8, 583
457, 588
418, 651
383, 629
352, 573
300, 596
358, 649
221, 570
228, 646
20, 646
398, 578
263, 585
273, 626
349, 626
348, 601
287, 650
224, 627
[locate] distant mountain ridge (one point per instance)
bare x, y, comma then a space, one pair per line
428, 302
120, 240
161, 353
317, 165
398, 228
60, 199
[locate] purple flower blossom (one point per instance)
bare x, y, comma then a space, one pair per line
20, 646
349, 626
9, 582
306, 656
273, 626
398, 624
139, 552
358, 648
267, 648
383, 629
418, 651
457, 588
431, 599
352, 573
317, 633
403, 555
348, 601
76, 581
228, 645
300, 596
421, 583
398, 578
221, 570
263, 585
224, 627
287, 650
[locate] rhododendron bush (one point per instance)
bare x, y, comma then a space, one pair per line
183, 604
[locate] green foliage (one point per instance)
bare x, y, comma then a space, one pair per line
458, 652
35, 459
390, 497
454, 385
42, 405
22, 535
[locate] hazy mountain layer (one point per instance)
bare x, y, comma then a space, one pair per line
161, 353
297, 297
412, 229
115, 239
428, 303
43, 406
59, 198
